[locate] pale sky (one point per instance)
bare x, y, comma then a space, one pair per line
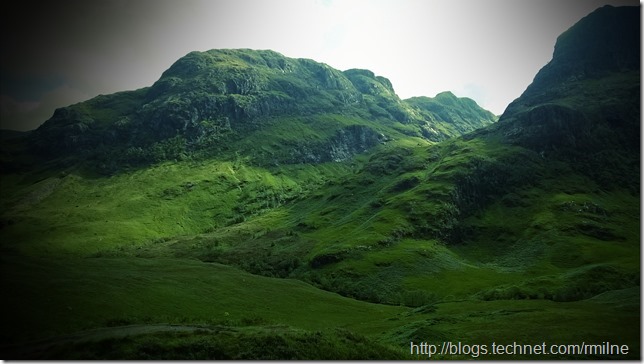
56, 53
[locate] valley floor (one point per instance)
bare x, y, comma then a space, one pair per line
136, 308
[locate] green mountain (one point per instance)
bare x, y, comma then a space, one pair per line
220, 102
446, 111
261, 207
583, 106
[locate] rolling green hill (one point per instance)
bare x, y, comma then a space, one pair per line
253, 206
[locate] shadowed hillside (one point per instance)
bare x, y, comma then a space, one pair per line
253, 206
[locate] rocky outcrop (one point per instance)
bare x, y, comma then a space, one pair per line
547, 127
346, 143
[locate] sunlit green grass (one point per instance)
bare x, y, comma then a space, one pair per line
80, 215
175, 243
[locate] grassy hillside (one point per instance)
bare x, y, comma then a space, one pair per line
220, 215
141, 248
446, 239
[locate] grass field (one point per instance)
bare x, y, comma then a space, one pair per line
49, 301
157, 262
472, 240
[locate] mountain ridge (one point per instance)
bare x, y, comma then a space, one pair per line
529, 226
206, 100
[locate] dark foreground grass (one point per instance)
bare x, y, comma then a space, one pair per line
226, 343
135, 308
54, 298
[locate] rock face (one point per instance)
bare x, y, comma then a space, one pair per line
206, 100
378, 96
343, 145
584, 105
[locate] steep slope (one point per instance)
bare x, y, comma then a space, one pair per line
208, 102
584, 106
528, 228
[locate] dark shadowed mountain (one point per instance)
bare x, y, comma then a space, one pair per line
584, 106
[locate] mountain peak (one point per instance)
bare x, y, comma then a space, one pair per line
584, 105
368, 83
446, 94
196, 61
606, 40
207, 101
